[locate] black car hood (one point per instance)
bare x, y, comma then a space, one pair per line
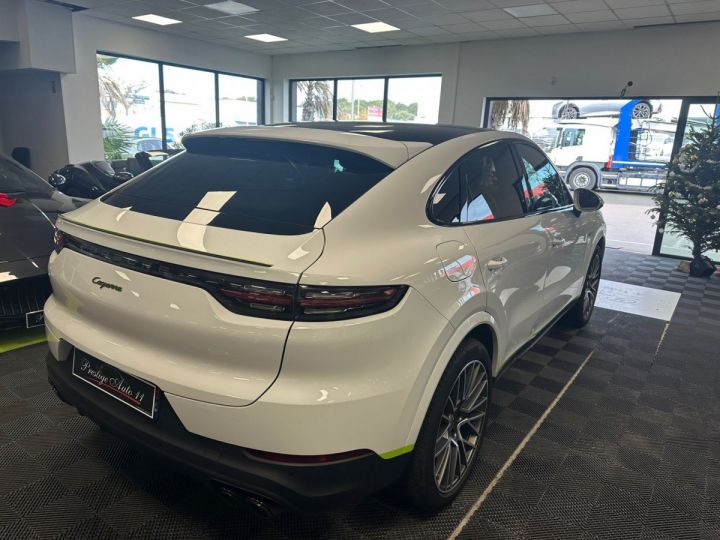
26, 227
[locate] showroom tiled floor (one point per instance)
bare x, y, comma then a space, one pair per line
631, 450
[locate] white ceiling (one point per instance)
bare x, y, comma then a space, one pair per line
311, 25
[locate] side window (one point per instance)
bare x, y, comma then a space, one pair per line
580, 137
568, 137
493, 183
547, 190
447, 200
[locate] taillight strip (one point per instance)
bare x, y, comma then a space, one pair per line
222, 287
255, 298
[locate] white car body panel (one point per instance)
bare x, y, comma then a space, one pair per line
319, 387
168, 333
357, 394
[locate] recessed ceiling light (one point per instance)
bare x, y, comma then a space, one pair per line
156, 19
266, 38
375, 27
232, 8
535, 10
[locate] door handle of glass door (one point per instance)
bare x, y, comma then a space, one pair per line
497, 264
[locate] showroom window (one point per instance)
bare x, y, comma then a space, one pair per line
149, 105
412, 99
615, 145
238, 101
313, 100
360, 99
129, 105
189, 96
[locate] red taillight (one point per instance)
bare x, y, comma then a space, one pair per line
333, 303
309, 303
5, 200
307, 460
261, 299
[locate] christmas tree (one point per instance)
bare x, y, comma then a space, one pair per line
690, 200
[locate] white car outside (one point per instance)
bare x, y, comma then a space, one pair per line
304, 314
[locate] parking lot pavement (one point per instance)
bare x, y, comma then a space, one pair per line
628, 226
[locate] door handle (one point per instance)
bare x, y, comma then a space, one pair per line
497, 264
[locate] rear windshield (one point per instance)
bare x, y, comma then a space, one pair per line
272, 187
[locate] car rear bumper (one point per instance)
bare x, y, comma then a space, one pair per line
298, 487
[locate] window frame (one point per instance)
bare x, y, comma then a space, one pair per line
466, 188
519, 164
216, 74
292, 91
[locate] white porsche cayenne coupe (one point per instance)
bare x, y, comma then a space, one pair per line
304, 314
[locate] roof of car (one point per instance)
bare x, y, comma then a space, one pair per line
392, 144
427, 133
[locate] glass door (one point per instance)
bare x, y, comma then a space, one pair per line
695, 114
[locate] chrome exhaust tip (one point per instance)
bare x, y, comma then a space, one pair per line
258, 505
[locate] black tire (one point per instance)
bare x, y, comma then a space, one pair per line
420, 485
642, 110
580, 314
569, 112
582, 177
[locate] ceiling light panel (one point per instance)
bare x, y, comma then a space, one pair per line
156, 19
266, 38
375, 27
232, 8
535, 10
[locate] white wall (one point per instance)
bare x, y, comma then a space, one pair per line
662, 61
31, 115
8, 21
80, 89
36, 35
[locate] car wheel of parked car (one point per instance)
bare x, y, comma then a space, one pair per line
569, 112
450, 437
642, 110
582, 177
579, 315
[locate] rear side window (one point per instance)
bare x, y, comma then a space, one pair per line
271, 187
448, 200
494, 186
547, 190
484, 185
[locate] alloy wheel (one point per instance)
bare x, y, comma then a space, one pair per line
569, 113
642, 110
592, 283
461, 425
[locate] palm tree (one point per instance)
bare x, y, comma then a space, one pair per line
318, 100
117, 139
114, 93
515, 111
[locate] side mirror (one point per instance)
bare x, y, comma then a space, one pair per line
586, 200
56, 180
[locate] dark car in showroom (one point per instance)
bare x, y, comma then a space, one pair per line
28, 209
